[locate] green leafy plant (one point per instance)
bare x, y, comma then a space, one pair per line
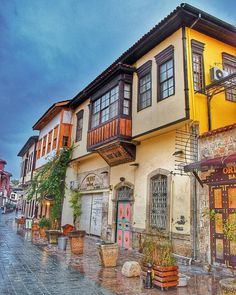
44, 222
210, 213
157, 250
75, 202
49, 181
229, 228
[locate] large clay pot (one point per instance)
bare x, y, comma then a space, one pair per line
77, 241
163, 276
108, 254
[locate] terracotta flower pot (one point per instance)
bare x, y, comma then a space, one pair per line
77, 241
67, 228
163, 276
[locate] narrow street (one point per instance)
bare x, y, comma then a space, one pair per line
26, 269
37, 268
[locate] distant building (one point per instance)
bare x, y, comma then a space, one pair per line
28, 159
4, 183
54, 133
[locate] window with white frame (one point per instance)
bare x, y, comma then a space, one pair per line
105, 107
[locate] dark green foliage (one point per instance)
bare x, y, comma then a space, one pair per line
76, 204
44, 222
49, 181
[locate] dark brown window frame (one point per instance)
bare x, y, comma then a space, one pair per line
143, 71
161, 58
79, 131
197, 48
229, 60
108, 90
65, 141
126, 99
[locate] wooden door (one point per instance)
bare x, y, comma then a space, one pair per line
123, 224
91, 216
223, 202
96, 216
86, 202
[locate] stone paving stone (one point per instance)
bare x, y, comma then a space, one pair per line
41, 269
25, 269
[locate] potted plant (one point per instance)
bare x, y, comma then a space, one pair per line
157, 251
76, 236
44, 224
108, 253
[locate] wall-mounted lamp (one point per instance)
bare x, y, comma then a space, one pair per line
48, 203
134, 164
178, 153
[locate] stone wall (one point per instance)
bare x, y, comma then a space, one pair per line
218, 144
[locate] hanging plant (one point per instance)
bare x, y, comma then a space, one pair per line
75, 202
49, 181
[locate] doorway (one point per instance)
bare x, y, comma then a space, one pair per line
223, 202
124, 196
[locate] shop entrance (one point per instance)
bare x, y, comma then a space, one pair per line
223, 204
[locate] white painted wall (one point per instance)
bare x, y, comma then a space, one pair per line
50, 126
67, 117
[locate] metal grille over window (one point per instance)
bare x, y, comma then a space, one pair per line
159, 202
124, 193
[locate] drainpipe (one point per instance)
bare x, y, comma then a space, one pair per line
195, 217
194, 199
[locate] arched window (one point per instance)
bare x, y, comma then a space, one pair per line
158, 204
124, 193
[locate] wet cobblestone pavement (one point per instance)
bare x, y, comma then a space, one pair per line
38, 268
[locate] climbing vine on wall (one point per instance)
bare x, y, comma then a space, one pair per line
75, 202
49, 181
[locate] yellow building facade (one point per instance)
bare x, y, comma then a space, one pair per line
136, 126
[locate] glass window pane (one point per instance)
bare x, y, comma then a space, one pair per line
105, 115
114, 109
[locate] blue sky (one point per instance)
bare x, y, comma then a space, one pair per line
51, 49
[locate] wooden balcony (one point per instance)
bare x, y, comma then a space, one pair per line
112, 141
114, 129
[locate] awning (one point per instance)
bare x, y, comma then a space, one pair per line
204, 165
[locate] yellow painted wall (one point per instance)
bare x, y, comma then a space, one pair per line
152, 154
223, 111
170, 109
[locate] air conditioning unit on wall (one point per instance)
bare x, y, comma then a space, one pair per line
216, 74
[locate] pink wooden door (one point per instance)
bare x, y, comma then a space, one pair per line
123, 224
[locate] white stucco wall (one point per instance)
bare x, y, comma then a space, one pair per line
50, 126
